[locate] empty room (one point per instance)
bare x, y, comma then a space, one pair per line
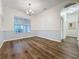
39, 29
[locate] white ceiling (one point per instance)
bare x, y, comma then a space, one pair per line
36, 5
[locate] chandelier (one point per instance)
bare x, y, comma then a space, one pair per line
29, 10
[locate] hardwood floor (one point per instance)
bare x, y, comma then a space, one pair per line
40, 48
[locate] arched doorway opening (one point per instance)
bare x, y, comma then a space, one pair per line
70, 20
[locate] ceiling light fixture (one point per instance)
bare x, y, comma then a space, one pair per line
29, 9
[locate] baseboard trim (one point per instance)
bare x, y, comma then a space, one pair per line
29, 37
71, 36
2, 44
50, 38
13, 40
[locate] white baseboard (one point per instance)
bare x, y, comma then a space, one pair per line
1, 43
51, 35
13, 39
29, 37
78, 43
50, 38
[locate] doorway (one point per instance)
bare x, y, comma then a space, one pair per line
70, 20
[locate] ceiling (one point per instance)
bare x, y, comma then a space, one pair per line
36, 5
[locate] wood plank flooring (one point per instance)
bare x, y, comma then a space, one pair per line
40, 48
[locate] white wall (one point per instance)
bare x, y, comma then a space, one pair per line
8, 25
78, 29
8, 18
48, 20
1, 22
0, 15
0, 7
48, 23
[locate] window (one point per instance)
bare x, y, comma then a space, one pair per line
21, 25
